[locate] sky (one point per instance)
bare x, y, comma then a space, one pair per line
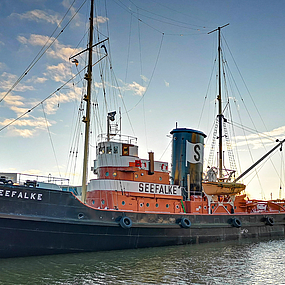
163, 74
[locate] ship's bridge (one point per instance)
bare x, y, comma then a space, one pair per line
122, 152
116, 151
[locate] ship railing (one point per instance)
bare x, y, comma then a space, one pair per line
211, 175
117, 138
31, 179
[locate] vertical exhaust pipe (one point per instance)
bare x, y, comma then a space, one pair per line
151, 163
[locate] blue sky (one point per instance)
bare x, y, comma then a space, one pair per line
162, 59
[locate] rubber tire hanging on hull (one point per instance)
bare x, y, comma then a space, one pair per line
269, 221
236, 223
126, 222
185, 223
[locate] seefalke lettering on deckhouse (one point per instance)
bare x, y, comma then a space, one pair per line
159, 189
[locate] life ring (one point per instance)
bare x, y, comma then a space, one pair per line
269, 221
185, 223
126, 222
236, 222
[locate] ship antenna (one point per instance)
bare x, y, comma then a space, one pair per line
219, 98
87, 98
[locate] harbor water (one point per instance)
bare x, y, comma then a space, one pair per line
237, 262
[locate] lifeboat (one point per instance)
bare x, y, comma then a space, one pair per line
222, 188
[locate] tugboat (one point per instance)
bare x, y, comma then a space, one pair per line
133, 202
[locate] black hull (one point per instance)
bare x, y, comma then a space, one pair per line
58, 223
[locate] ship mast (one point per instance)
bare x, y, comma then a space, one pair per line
87, 98
219, 98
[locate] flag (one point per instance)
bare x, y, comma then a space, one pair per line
75, 61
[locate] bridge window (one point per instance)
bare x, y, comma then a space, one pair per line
109, 150
115, 149
125, 149
101, 149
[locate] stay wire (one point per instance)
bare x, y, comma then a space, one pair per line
245, 84
43, 50
155, 65
34, 107
129, 11
52, 145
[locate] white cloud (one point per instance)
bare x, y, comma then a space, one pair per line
36, 80
59, 73
101, 20
7, 80
57, 50
26, 127
51, 105
144, 78
166, 83
25, 133
259, 140
39, 16
137, 88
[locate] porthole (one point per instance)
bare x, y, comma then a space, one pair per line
160, 178
123, 203
147, 204
93, 202
205, 207
80, 216
167, 205
102, 201
141, 204
141, 174
107, 173
177, 207
114, 174
212, 207
156, 205
136, 175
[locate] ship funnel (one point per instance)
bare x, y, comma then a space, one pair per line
187, 158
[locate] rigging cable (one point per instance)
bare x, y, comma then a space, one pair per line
281, 173
151, 77
43, 50
35, 106
142, 81
247, 109
52, 145
180, 22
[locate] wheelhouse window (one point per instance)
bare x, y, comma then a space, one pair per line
101, 149
125, 149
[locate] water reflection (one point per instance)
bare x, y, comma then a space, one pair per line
244, 262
